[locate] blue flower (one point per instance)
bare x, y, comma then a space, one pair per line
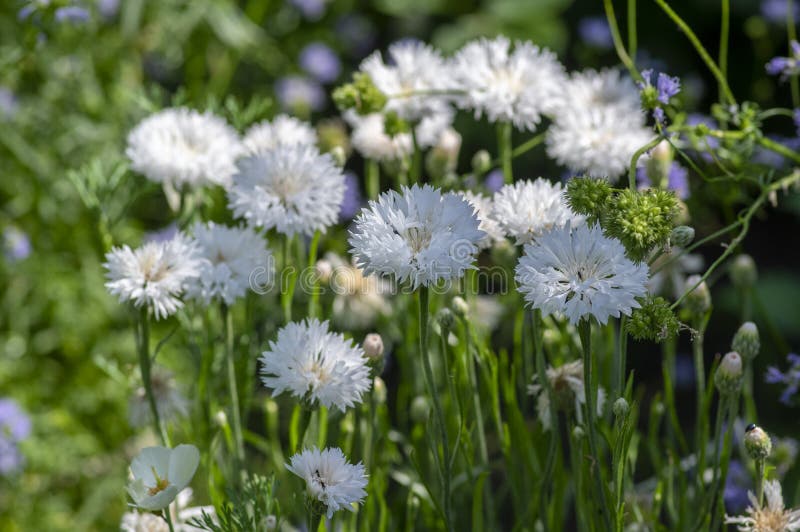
595, 32
667, 86
677, 179
655, 97
298, 92
785, 66
311, 9
15, 426
790, 378
352, 201
16, 244
74, 14
494, 181
736, 485
774, 11
320, 62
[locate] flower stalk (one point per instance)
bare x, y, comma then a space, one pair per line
145, 367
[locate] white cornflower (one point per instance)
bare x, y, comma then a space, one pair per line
772, 517
566, 383
526, 209
181, 147
283, 129
580, 273
369, 138
418, 235
316, 365
232, 255
330, 478
294, 189
171, 403
598, 124
359, 299
159, 474
484, 208
516, 86
413, 71
154, 275
182, 513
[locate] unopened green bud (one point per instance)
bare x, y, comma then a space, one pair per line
681, 236
743, 271
481, 162
757, 442
588, 196
649, 96
577, 433
728, 378
420, 409
339, 156
442, 159
659, 163
654, 320
698, 301
361, 95
379, 390
393, 125
620, 407
445, 318
324, 270
746, 341
332, 133
642, 220
460, 307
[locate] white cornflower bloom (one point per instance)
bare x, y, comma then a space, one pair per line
506, 85
232, 255
155, 274
294, 189
182, 513
772, 517
526, 209
484, 208
418, 235
181, 147
369, 138
359, 299
598, 124
171, 403
283, 129
580, 273
330, 478
159, 474
316, 365
566, 383
414, 71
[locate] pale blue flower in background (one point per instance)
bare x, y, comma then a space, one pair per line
295, 92
321, 62
595, 32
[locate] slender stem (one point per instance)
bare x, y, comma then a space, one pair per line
313, 301
168, 519
617, 38
632, 28
313, 520
301, 417
686, 30
233, 389
725, 25
147, 382
722, 410
287, 292
621, 359
747, 392
733, 410
504, 149
700, 384
590, 391
635, 159
437, 404
791, 33
760, 480
779, 148
372, 170
555, 432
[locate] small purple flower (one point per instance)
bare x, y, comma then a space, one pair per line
298, 92
658, 116
8, 103
595, 32
785, 66
161, 235
775, 10
494, 180
736, 485
15, 424
796, 118
357, 34
311, 9
11, 459
73, 14
790, 378
352, 201
678, 180
108, 8
16, 244
320, 62
667, 86
654, 97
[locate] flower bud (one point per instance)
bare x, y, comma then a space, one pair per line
681, 236
743, 271
481, 162
757, 442
659, 163
373, 346
379, 390
270, 523
324, 270
577, 433
460, 307
420, 409
221, 418
339, 156
620, 407
728, 378
361, 95
588, 196
746, 341
698, 301
445, 319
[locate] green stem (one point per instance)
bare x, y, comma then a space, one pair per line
372, 171
313, 301
504, 149
725, 25
287, 292
427, 369
590, 391
617, 38
686, 30
168, 519
632, 44
620, 359
301, 418
747, 392
233, 389
722, 409
635, 159
555, 431
779, 148
700, 384
313, 520
733, 411
760, 469
147, 382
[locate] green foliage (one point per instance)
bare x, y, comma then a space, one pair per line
361, 95
251, 507
641, 220
654, 321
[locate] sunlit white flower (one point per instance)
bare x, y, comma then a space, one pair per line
566, 383
413, 71
183, 147
182, 514
159, 474
359, 299
294, 189
170, 402
526, 209
484, 208
418, 235
369, 137
598, 124
330, 478
154, 275
771, 517
315, 365
580, 273
283, 129
232, 255
506, 85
